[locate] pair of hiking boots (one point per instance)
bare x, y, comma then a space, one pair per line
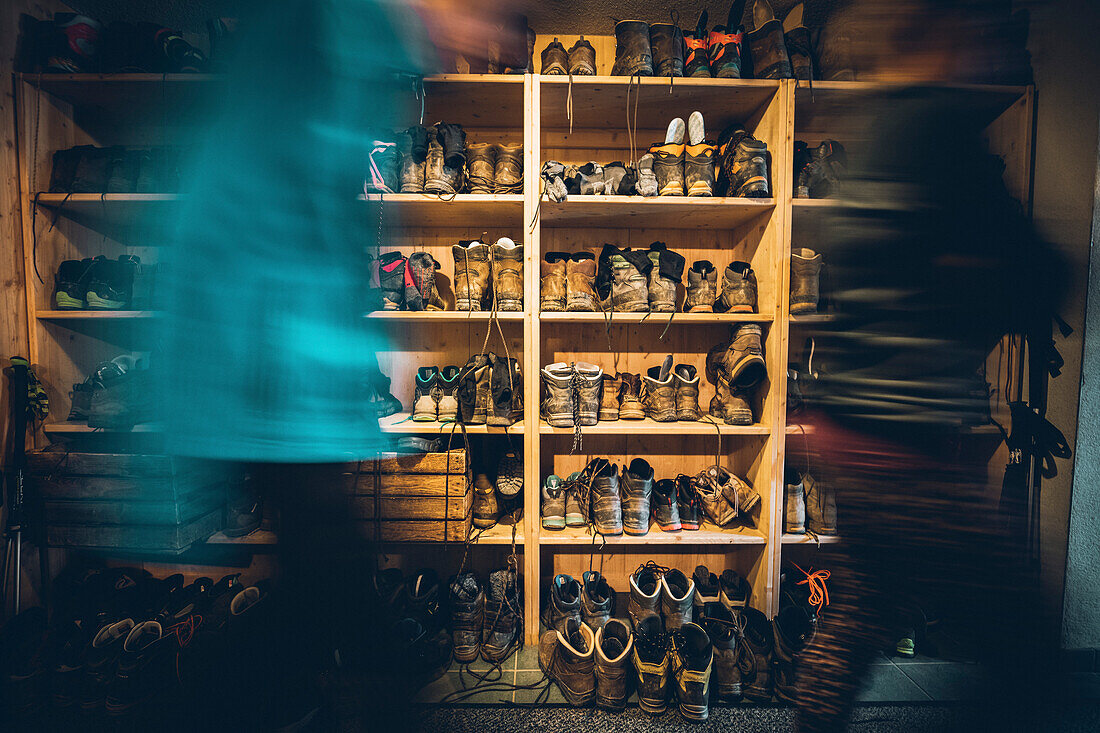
738, 293
736, 368
717, 54
411, 621
495, 167
490, 391
600, 496
115, 169
723, 495
418, 160
669, 394
435, 394
486, 617
97, 283
491, 501
408, 283
818, 171
810, 504
568, 282
589, 665
663, 49
685, 168
117, 395
779, 50
639, 281
479, 266
579, 60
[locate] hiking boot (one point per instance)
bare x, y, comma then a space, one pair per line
422, 603
623, 279
467, 602
766, 44
743, 359
582, 58
146, 667
659, 392
696, 63
596, 599
737, 491
667, 44
633, 56
793, 630
420, 290
391, 279
502, 630
555, 61
805, 279
576, 513
686, 380
677, 593
615, 180
440, 178
647, 179
610, 390
665, 509
706, 589
507, 267
699, 169
668, 167
506, 392
724, 52
744, 164
733, 591
471, 274
553, 178
580, 279
795, 516
606, 507
552, 282
426, 394
384, 168
414, 151
553, 503
636, 486
486, 509
589, 381
702, 287
630, 401
651, 663
821, 171
728, 404
568, 658
666, 272
453, 140
711, 499
509, 475
482, 159
448, 399
614, 649
557, 407
564, 604
380, 401
508, 175
797, 39
724, 635
820, 506
111, 283
687, 503
71, 284
99, 663
755, 656
474, 394
645, 594
125, 400
692, 658
738, 289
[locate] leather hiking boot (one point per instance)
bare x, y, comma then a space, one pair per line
580, 283
686, 379
630, 402
553, 503
820, 506
448, 400
471, 274
582, 58
427, 392
796, 36
473, 390
666, 511
738, 289
714, 504
569, 660
647, 180
724, 633
588, 384
728, 404
755, 656
819, 170
503, 605
486, 509
413, 168
420, 290
668, 167
633, 55
453, 139
596, 599
677, 594
805, 279
636, 487
699, 169
440, 178
736, 490
552, 282
766, 44
506, 392
724, 52
745, 163
733, 591
794, 518
696, 63
391, 279
743, 359
422, 602
610, 390
702, 287
623, 280
606, 506
564, 603
555, 61
467, 602
659, 392
706, 589
482, 160
666, 272
645, 594
508, 175
692, 658
557, 407
666, 41
793, 630
614, 649
688, 504
507, 265
651, 664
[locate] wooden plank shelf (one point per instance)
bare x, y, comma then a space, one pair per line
82, 428
461, 210
442, 316
708, 534
811, 318
122, 92
97, 315
137, 219
654, 319
259, 538
402, 423
655, 212
652, 427
808, 539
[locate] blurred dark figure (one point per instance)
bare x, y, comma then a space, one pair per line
930, 263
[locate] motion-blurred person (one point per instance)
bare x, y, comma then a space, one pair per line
930, 263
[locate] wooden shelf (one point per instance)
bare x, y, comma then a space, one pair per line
463, 210
136, 219
474, 100
82, 428
656, 212
401, 423
96, 315
708, 534
655, 319
442, 316
652, 427
807, 539
498, 534
128, 92
810, 318
259, 538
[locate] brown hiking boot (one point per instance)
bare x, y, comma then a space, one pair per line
628, 277
630, 401
580, 288
589, 381
552, 284
471, 274
737, 491
506, 391
609, 398
569, 660
614, 648
743, 359
582, 59
820, 506
766, 44
422, 295
412, 168
507, 263
709, 491
665, 274
738, 289
686, 379
668, 167
805, 279
486, 508
796, 36
677, 594
724, 635
555, 62
481, 160
728, 404
633, 55
557, 395
508, 176
651, 664
659, 392
666, 41
745, 164
702, 288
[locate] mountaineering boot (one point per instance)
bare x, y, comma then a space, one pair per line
596, 599
835, 60
743, 359
748, 169
471, 274
448, 401
614, 649
797, 39
633, 55
729, 403
555, 61
507, 265
647, 179
755, 656
724, 633
724, 44
651, 664
391, 279
795, 515
666, 512
626, 274
505, 391
414, 153
481, 159
439, 178
699, 169
580, 282
553, 503
557, 395
677, 593
636, 487
805, 280
582, 58
486, 507
702, 286
711, 500
687, 503
467, 602
645, 595
668, 167
665, 274
666, 41
609, 397
686, 379
552, 283
384, 174
509, 475
737, 491
607, 510
473, 392
738, 289
659, 392
766, 44
696, 62
426, 394
692, 663
820, 506
569, 660
564, 604
420, 288
589, 380
630, 401
502, 630
508, 174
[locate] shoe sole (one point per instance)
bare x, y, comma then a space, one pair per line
574, 520
687, 417
553, 524
802, 310
672, 189
627, 414
754, 499
559, 421
670, 527
67, 303
97, 303
700, 188
674, 135
701, 309
739, 417
694, 713
484, 523
652, 707
743, 309
754, 188
609, 416
636, 534
509, 305
551, 306
692, 527
796, 530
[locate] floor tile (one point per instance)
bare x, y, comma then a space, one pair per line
527, 659
529, 696
448, 683
887, 683
948, 680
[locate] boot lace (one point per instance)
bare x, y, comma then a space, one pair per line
575, 404
815, 580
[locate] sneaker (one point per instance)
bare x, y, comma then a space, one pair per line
582, 58
706, 588
71, 284
567, 657
427, 393
651, 664
486, 509
692, 662
596, 599
553, 503
733, 591
564, 602
677, 595
502, 630
659, 392
795, 515
555, 61
687, 503
637, 487
665, 509
645, 593
725, 634
614, 650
